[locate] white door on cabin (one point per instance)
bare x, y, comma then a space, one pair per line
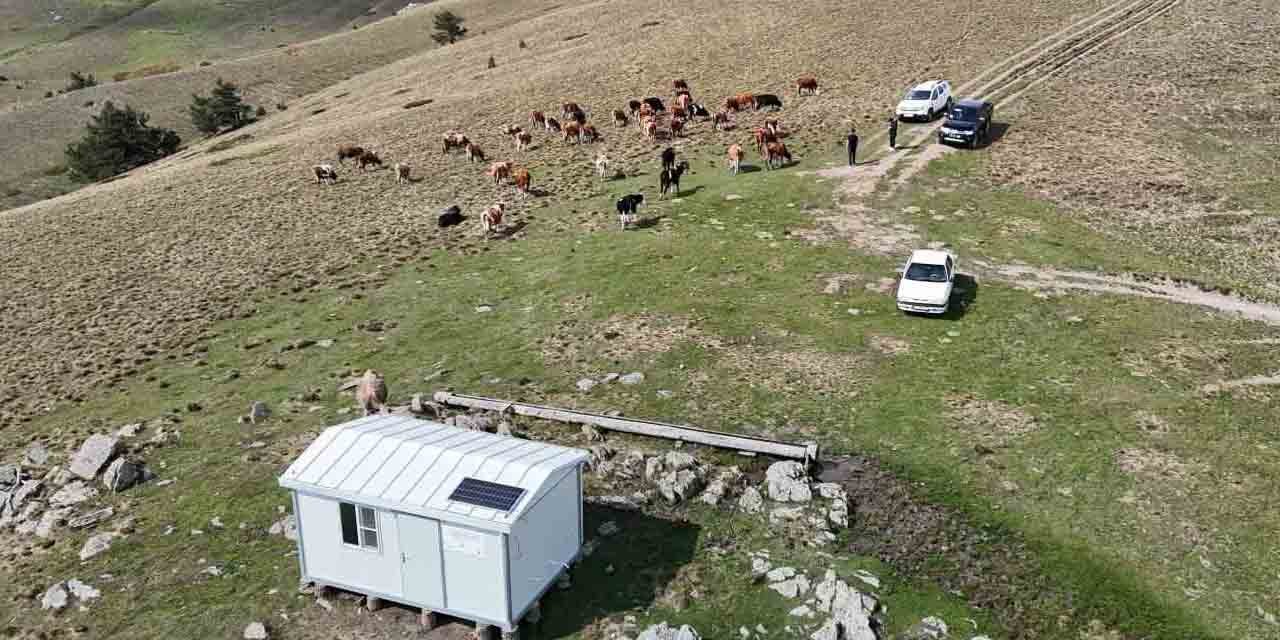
421, 571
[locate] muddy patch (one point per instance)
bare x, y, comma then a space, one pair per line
992, 422
1151, 423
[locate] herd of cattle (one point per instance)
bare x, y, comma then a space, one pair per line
654, 120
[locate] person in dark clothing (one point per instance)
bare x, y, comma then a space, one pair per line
893, 131
851, 145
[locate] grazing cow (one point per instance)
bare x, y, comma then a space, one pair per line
325, 174
538, 118
679, 85
571, 132
763, 137
513, 129
521, 177
552, 125
685, 101
349, 151
773, 127
698, 110
677, 127
567, 109
499, 171
449, 217
619, 118
579, 117
776, 152
768, 101
646, 111
668, 158
730, 104
402, 173
523, 140
588, 133
475, 153
627, 207
735, 158
455, 140
745, 101
634, 107
669, 179
722, 122
679, 112
371, 393
492, 217
369, 159
651, 128
655, 104
602, 164
807, 85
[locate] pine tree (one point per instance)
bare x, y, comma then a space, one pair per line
448, 27
223, 109
117, 140
81, 81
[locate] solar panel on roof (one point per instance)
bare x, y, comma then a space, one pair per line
483, 493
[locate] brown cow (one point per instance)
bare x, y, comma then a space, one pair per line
474, 152
523, 140
776, 151
679, 85
745, 101
455, 140
369, 159
349, 151
402, 173
735, 158
499, 171
646, 111
773, 127
538, 118
677, 127
679, 112
571, 131
588, 134
569, 108
731, 104
807, 85
552, 125
651, 129
492, 217
685, 101
763, 137
721, 120
371, 393
521, 176
619, 118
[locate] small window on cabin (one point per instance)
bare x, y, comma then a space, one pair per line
359, 525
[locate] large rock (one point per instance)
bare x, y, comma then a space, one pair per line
82, 591
751, 500
788, 482
123, 474
36, 454
678, 486
679, 461
793, 587
288, 527
8, 476
51, 519
258, 411
93, 455
661, 631
653, 469
97, 544
477, 422
54, 598
931, 628
73, 493
255, 631
851, 611
838, 514
631, 378
24, 491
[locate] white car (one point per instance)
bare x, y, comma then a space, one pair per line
926, 283
926, 101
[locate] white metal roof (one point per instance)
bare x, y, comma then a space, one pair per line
409, 465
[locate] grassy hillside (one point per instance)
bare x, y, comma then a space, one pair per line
1069, 464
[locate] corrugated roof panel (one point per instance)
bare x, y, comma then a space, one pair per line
345, 462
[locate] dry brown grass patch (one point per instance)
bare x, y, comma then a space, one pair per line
991, 421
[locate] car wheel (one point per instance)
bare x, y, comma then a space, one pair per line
949, 104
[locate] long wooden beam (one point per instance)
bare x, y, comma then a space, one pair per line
807, 451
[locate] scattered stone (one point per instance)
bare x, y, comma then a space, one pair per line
867, 577
255, 631
732, 196
124, 474
677, 486
609, 378
54, 598
592, 434
324, 604
1075, 320
484, 308
931, 628
213, 570
679, 461
73, 493
325, 344
793, 587
631, 378
751, 500
216, 522
838, 514
506, 429
621, 503
850, 611
779, 574
129, 430
258, 411
586, 384
97, 544
422, 406
608, 529
8, 475
786, 514
788, 482
760, 567
82, 591
661, 631
94, 453
287, 527
665, 393
36, 454
802, 611
51, 518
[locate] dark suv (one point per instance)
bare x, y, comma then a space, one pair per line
968, 122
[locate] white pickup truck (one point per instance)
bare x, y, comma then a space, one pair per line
927, 281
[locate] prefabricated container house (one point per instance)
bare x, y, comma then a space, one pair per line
464, 523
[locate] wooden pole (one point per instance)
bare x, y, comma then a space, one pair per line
808, 452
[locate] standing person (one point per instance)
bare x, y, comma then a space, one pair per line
893, 132
851, 145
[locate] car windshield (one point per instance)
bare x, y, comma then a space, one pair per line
927, 272
919, 94
964, 114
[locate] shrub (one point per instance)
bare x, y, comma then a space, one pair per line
118, 140
448, 27
79, 82
492, 63
262, 111
223, 109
